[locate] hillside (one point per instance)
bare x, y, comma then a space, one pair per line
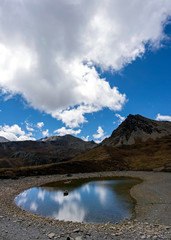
50, 150
138, 143
149, 155
137, 128
146, 155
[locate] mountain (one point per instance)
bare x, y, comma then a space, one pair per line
70, 141
2, 139
141, 156
138, 143
137, 128
50, 150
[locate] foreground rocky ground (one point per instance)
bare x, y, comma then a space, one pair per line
152, 218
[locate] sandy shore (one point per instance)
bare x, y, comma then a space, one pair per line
152, 212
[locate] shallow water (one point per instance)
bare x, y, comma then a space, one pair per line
93, 200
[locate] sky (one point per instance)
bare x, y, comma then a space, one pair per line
81, 67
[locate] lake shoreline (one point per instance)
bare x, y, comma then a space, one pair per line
152, 211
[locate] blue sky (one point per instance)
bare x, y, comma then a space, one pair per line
55, 79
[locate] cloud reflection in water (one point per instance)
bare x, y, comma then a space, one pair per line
95, 201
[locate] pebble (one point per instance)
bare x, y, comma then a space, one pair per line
143, 237
78, 238
51, 235
76, 230
69, 238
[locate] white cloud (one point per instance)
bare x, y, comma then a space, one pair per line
40, 124
99, 134
63, 131
85, 138
15, 133
49, 49
33, 206
121, 119
45, 133
163, 117
29, 126
41, 194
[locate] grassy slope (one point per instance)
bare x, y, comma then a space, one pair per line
140, 156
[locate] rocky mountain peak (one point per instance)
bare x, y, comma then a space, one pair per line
135, 122
137, 127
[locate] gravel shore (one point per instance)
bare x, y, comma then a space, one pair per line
152, 218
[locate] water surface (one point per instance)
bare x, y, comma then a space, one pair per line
93, 200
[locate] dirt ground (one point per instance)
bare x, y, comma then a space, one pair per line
152, 218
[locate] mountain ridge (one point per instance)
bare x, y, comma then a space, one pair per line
70, 141
137, 127
132, 146
33, 153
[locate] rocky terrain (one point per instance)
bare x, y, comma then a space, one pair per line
152, 218
137, 128
50, 150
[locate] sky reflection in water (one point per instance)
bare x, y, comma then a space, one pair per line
94, 201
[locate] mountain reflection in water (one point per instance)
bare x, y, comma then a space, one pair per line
94, 201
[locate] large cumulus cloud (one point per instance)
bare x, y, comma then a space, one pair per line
49, 50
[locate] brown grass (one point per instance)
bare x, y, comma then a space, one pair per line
140, 156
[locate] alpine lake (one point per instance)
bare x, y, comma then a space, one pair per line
92, 200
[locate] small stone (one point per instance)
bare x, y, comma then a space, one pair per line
154, 237
88, 234
69, 238
117, 234
76, 230
143, 237
78, 238
167, 227
51, 235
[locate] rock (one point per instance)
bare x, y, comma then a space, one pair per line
143, 237
66, 193
51, 235
76, 230
78, 238
69, 238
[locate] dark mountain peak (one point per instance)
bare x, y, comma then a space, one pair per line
135, 122
137, 127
